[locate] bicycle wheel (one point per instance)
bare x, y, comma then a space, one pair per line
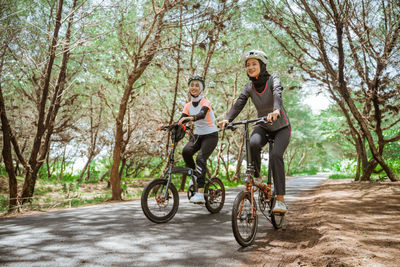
155, 206
214, 193
276, 219
244, 224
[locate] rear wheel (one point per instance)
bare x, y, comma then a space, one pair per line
244, 219
214, 193
155, 205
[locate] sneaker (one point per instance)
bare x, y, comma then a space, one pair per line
280, 207
198, 198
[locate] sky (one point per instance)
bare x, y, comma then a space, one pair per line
317, 102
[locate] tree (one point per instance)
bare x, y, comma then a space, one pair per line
354, 58
47, 91
146, 48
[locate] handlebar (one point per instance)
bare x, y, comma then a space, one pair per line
231, 125
169, 127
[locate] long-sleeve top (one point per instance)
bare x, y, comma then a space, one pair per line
204, 119
266, 101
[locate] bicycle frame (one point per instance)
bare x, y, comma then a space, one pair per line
160, 197
172, 169
250, 169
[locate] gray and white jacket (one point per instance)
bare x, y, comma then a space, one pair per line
265, 102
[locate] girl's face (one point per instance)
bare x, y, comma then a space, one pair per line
253, 67
194, 88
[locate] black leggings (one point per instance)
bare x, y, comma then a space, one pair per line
206, 144
281, 140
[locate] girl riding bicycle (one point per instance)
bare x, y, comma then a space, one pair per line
205, 136
265, 92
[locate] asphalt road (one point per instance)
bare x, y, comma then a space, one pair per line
120, 235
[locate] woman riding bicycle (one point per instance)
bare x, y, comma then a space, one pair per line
265, 91
205, 136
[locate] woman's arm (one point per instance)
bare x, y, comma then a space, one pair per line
277, 92
202, 113
237, 107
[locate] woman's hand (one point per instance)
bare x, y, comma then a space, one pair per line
273, 116
222, 124
185, 120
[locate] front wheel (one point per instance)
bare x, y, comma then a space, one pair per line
214, 193
244, 219
157, 205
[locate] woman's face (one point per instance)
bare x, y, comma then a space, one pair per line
194, 88
253, 67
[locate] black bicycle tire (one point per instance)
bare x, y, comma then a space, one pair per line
144, 201
277, 223
244, 242
206, 189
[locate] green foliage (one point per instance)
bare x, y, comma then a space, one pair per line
394, 164
340, 176
347, 166
3, 203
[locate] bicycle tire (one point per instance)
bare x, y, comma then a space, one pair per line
276, 220
244, 225
152, 197
214, 193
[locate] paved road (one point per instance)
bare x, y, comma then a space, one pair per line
120, 235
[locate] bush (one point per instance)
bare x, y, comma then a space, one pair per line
346, 167
340, 176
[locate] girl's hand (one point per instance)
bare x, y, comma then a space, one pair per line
222, 124
185, 120
273, 116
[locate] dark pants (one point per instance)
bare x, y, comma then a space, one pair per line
205, 144
281, 140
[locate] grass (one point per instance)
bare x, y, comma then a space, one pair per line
341, 176
53, 193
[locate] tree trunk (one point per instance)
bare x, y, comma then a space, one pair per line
344, 92
240, 158
30, 178
133, 76
368, 170
7, 155
84, 168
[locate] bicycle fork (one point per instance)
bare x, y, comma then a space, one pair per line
168, 182
250, 189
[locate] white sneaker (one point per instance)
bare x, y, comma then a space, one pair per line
197, 198
280, 207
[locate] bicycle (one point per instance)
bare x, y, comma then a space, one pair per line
160, 198
244, 210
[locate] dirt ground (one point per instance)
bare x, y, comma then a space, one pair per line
343, 223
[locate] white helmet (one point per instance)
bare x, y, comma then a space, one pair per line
254, 54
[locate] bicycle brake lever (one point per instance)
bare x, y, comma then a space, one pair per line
231, 127
263, 120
